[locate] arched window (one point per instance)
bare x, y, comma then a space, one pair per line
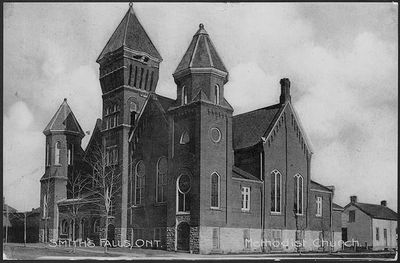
45, 206
215, 190
47, 154
216, 94
57, 153
184, 137
70, 153
161, 180
184, 96
140, 173
96, 226
276, 191
133, 108
298, 193
64, 227
182, 193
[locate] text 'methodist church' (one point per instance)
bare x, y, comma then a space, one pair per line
193, 175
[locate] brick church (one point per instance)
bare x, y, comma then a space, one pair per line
194, 176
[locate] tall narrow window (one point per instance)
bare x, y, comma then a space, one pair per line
130, 75
161, 180
47, 154
135, 78
133, 111
57, 153
352, 216
70, 153
377, 233
139, 182
145, 81
245, 199
182, 189
275, 191
141, 78
151, 80
319, 206
298, 188
184, 96
215, 188
45, 206
216, 94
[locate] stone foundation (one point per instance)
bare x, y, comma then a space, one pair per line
194, 240
170, 238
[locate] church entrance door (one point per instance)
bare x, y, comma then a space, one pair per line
183, 236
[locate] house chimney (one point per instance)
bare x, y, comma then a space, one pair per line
383, 203
285, 90
353, 199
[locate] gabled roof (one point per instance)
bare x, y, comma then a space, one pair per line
249, 127
317, 186
64, 120
201, 53
240, 174
95, 139
375, 211
10, 209
337, 207
165, 102
131, 34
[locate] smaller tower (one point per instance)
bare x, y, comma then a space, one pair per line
63, 146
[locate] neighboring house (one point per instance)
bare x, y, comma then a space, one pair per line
195, 177
15, 222
373, 226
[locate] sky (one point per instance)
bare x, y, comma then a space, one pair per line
341, 60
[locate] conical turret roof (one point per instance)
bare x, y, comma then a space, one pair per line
64, 121
131, 34
201, 53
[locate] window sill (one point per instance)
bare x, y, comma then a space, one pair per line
136, 206
216, 208
182, 213
246, 211
276, 213
58, 165
318, 216
160, 204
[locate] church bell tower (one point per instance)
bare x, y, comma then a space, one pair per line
129, 70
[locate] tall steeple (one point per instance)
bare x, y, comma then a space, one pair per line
201, 74
129, 58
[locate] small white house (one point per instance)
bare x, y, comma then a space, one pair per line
372, 226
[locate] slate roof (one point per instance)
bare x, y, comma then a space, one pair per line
249, 127
201, 53
239, 173
165, 102
337, 207
318, 186
376, 211
131, 34
64, 120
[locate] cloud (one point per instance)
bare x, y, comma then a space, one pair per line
341, 60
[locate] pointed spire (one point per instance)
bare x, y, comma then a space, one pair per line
201, 53
64, 121
130, 34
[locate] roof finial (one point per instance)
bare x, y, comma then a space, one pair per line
130, 4
65, 99
201, 26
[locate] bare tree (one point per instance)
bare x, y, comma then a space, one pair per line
77, 188
106, 181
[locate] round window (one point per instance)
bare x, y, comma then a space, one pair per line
215, 135
184, 183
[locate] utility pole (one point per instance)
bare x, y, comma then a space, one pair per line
25, 230
8, 220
